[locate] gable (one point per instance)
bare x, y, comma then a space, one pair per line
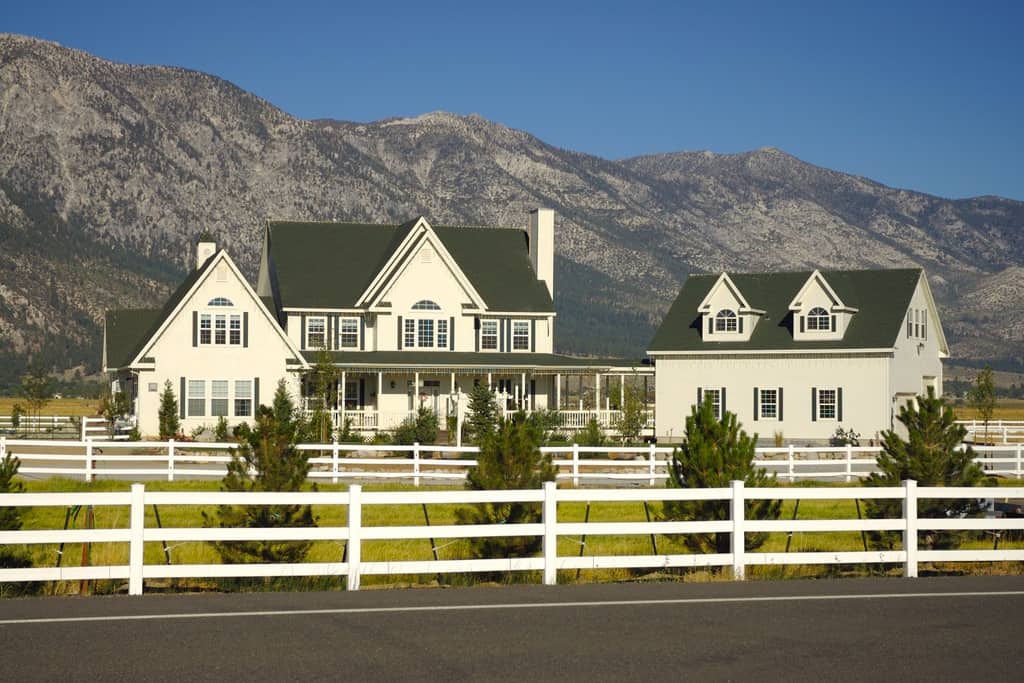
881, 297
427, 274
815, 292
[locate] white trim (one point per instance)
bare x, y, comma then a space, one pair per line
723, 279
780, 352
796, 304
322, 309
936, 321
221, 255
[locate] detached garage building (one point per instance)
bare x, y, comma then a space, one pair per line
800, 353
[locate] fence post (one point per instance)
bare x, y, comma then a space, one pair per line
85, 421
1006, 435
576, 464
653, 461
910, 534
737, 537
137, 525
849, 463
416, 463
170, 459
88, 459
791, 464
355, 521
334, 460
550, 517
1020, 472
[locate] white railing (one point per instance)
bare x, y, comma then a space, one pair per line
549, 528
607, 419
29, 424
582, 465
1000, 431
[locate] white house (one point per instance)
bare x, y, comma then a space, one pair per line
798, 353
411, 315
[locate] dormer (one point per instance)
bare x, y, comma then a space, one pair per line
818, 312
726, 316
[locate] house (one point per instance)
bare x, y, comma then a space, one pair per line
801, 353
410, 315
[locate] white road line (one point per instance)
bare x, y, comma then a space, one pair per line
508, 606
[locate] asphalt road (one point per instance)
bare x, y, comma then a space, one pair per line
857, 629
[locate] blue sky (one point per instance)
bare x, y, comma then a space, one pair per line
922, 95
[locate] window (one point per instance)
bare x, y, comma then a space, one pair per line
716, 400
826, 404
196, 398
205, 328
910, 324
489, 335
220, 301
348, 333
220, 329
243, 398
425, 334
316, 333
725, 321
235, 332
442, 334
410, 332
769, 404
219, 398
352, 395
425, 305
819, 319
520, 335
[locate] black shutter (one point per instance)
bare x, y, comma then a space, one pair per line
739, 325
508, 334
814, 405
723, 400
302, 325
362, 392
476, 334
780, 404
839, 403
755, 404
451, 333
833, 323
195, 328
711, 325
328, 331
533, 336
801, 323
700, 397
245, 330
255, 395
533, 394
400, 333
362, 333
181, 400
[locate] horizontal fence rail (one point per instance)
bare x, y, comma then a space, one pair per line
549, 562
995, 431
339, 462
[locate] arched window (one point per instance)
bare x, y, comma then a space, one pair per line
425, 305
819, 319
220, 301
725, 320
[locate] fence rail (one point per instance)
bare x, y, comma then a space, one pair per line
337, 462
549, 563
1001, 431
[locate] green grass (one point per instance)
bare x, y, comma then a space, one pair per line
442, 514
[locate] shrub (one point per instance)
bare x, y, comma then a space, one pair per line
482, 414
592, 434
633, 418
220, 430
167, 415
419, 428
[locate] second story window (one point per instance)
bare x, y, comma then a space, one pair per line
220, 329
206, 329
520, 335
425, 334
489, 335
425, 305
725, 321
348, 333
316, 333
819, 319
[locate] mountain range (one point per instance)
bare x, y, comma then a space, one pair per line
109, 172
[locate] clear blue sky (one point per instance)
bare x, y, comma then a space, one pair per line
922, 95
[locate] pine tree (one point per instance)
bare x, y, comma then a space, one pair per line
10, 519
509, 459
714, 453
267, 460
931, 456
167, 414
633, 417
482, 421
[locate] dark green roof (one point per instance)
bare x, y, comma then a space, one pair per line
127, 330
458, 359
881, 297
329, 265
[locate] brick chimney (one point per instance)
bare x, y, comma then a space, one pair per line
542, 246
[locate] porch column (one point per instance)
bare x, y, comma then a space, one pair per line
597, 391
558, 391
341, 419
522, 397
451, 389
416, 391
380, 393
490, 387
622, 392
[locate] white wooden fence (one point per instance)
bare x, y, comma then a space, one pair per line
549, 563
999, 431
339, 462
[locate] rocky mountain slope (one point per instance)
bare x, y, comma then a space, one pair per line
108, 172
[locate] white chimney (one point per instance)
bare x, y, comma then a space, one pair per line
542, 246
204, 250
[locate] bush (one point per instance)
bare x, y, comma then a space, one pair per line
167, 415
419, 428
347, 435
220, 430
633, 418
592, 435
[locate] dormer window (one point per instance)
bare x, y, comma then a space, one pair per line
425, 305
819, 319
220, 301
726, 321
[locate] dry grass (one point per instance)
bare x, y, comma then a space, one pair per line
74, 407
1006, 409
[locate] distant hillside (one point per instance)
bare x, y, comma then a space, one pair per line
108, 172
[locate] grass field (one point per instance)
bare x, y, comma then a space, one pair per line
74, 407
1006, 409
413, 515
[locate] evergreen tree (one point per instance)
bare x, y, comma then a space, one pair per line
931, 457
267, 460
322, 380
714, 453
167, 414
10, 520
419, 428
510, 458
36, 390
482, 421
982, 397
633, 417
